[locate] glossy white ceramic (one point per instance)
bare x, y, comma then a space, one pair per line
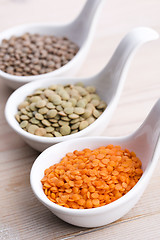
109, 83
80, 31
145, 142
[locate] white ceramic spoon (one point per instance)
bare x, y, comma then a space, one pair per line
80, 31
145, 142
109, 83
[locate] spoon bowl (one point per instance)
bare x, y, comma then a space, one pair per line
109, 83
145, 142
80, 31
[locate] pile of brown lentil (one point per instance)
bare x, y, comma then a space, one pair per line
92, 178
60, 110
34, 54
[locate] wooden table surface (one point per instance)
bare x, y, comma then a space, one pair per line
22, 215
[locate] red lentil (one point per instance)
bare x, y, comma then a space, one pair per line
92, 178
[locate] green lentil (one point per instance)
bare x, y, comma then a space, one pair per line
65, 130
59, 110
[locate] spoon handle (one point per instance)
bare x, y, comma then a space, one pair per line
152, 124
116, 70
147, 137
85, 22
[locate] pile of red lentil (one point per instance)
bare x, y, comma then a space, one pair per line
92, 178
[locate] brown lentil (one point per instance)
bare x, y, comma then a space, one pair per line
92, 178
34, 54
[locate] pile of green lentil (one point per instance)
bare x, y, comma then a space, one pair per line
60, 110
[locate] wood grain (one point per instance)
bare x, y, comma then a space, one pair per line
22, 215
